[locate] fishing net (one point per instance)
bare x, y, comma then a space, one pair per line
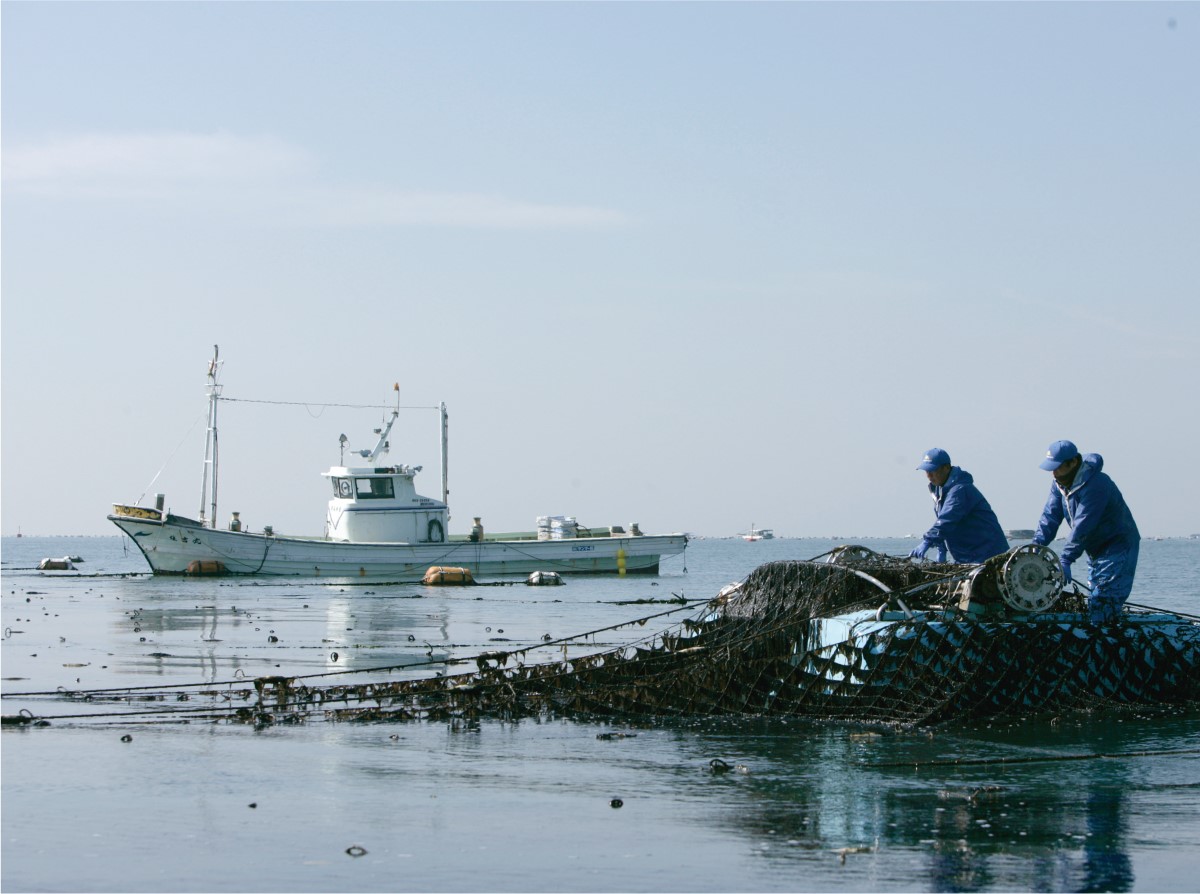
853, 635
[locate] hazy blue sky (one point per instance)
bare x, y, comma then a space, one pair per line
690, 265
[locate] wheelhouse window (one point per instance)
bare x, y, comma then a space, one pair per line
342, 487
374, 488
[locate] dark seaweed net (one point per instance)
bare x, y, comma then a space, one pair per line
798, 590
754, 650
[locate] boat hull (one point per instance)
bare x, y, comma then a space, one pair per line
178, 546
930, 669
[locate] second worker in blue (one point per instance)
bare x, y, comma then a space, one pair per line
966, 524
1101, 525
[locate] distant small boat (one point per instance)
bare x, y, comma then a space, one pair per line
758, 534
63, 564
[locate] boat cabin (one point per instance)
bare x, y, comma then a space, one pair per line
381, 505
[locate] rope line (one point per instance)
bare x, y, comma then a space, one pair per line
989, 761
466, 659
309, 404
169, 458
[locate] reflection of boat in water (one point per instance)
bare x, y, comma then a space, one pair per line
377, 526
758, 534
854, 636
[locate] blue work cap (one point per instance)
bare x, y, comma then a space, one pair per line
935, 458
1058, 453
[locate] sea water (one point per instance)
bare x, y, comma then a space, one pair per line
93, 802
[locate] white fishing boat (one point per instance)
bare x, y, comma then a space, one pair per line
758, 534
377, 526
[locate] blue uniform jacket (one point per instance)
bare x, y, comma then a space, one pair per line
965, 522
1100, 521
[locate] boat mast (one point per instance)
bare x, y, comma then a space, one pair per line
445, 480
210, 441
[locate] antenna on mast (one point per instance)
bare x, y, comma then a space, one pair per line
381, 447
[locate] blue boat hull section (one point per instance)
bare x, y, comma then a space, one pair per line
927, 670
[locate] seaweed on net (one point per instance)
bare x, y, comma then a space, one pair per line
746, 652
798, 590
753, 649
750, 651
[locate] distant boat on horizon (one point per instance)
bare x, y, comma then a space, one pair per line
758, 534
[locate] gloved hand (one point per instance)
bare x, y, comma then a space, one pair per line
941, 554
919, 552
1066, 567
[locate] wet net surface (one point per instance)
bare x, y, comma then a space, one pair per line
853, 636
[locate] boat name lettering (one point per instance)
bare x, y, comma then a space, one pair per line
582, 549
185, 540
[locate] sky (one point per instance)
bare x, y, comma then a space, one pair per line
692, 265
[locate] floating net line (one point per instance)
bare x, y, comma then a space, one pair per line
913, 654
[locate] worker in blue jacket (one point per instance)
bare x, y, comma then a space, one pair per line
1101, 525
966, 524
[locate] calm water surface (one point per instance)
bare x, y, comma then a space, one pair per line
529, 806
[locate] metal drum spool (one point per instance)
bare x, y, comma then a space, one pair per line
1031, 579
